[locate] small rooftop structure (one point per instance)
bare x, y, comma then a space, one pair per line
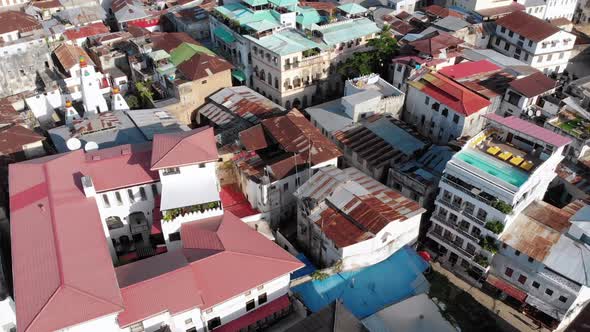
333, 318
435, 43
529, 129
14, 138
496, 12
528, 26
183, 148
86, 31
438, 11
451, 23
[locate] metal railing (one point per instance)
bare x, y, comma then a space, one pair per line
456, 228
466, 190
449, 242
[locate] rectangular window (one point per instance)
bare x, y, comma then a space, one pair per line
202, 165
262, 298
445, 112
530, 43
509, 272
503, 30
517, 253
455, 118
286, 186
549, 57
427, 100
250, 305
540, 58
497, 41
531, 260
563, 299
549, 291
504, 246
118, 197
142, 193
507, 47
136, 327
174, 236
510, 34
105, 201
561, 55
536, 284
130, 194
155, 192
213, 323
522, 279
526, 57
171, 170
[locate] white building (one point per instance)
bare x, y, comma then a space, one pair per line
442, 109
523, 96
487, 185
533, 41
180, 272
543, 261
560, 9
364, 97
346, 216
272, 169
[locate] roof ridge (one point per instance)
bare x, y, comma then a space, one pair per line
258, 256
76, 289
133, 285
172, 148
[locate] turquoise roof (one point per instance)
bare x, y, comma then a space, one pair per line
224, 35
352, 8
284, 3
334, 34
264, 25
286, 42
244, 15
307, 16
254, 3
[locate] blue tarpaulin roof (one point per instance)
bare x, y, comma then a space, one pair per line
309, 268
368, 290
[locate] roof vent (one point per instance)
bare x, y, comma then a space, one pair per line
125, 151
88, 186
95, 157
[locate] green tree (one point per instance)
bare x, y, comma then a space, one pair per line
132, 102
144, 92
359, 64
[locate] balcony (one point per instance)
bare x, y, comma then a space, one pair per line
450, 243
474, 218
456, 228
450, 205
472, 192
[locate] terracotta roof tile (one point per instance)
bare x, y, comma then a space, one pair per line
528, 26
12, 20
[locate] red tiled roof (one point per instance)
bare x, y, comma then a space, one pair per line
219, 274
60, 277
202, 65
184, 148
13, 20
533, 85
69, 55
297, 135
530, 129
13, 138
449, 93
561, 21
155, 285
439, 11
253, 138
528, 26
432, 44
466, 69
47, 4
86, 31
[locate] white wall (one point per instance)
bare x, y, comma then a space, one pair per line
7, 313
107, 323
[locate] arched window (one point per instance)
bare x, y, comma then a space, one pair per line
114, 222
288, 105
296, 103
269, 78
304, 104
262, 75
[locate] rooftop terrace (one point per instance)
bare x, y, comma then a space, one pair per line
572, 124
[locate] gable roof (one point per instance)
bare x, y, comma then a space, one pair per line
56, 288
69, 55
447, 92
297, 135
13, 20
528, 26
13, 138
533, 85
218, 248
433, 43
183, 148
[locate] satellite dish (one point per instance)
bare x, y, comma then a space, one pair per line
91, 146
73, 144
538, 113
531, 113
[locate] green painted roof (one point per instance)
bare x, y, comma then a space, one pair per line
308, 16
346, 31
186, 51
284, 3
262, 25
254, 3
239, 75
159, 55
224, 35
286, 42
352, 8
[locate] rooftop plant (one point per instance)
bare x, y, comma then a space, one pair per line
488, 243
495, 226
481, 260
502, 206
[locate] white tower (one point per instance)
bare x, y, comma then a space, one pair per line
93, 100
118, 103
70, 113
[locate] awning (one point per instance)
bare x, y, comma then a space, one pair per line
238, 75
507, 288
224, 35
256, 315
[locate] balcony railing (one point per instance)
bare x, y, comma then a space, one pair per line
466, 190
456, 228
450, 242
446, 202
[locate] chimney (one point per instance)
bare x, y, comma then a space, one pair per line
88, 186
